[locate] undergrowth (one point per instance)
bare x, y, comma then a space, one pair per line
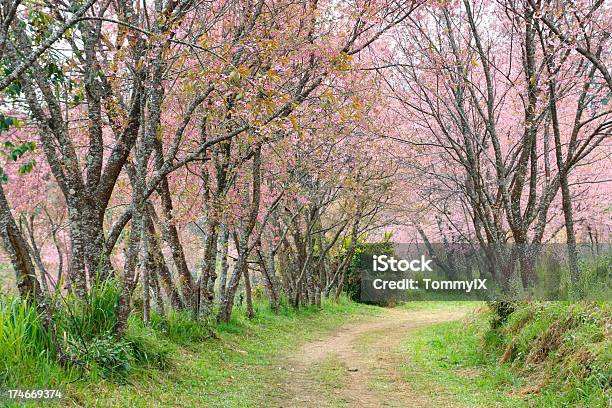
563, 349
74, 339
82, 350
544, 354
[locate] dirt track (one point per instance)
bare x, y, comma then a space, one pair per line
358, 365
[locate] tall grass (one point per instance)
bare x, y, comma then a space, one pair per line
595, 281
543, 354
84, 345
27, 354
93, 316
566, 346
178, 327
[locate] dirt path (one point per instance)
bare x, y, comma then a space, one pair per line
358, 365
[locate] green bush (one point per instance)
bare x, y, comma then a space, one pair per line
541, 354
85, 345
104, 356
364, 250
93, 316
501, 311
147, 345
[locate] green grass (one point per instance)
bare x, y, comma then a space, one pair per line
446, 363
173, 361
556, 354
564, 349
243, 367
332, 372
26, 350
77, 342
331, 376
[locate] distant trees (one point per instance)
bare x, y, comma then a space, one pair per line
484, 84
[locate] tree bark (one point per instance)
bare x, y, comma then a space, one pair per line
227, 301
162, 268
16, 247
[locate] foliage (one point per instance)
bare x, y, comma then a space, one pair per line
245, 356
565, 348
26, 349
93, 316
179, 327
363, 253
78, 341
153, 365
104, 356
278, 122
542, 354
500, 312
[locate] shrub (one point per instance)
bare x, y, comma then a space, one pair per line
93, 316
104, 356
146, 345
85, 340
565, 346
501, 310
364, 250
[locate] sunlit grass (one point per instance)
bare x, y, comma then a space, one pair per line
557, 355
172, 361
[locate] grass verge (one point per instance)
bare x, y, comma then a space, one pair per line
240, 367
551, 354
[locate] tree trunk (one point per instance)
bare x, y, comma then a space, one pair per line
269, 272
146, 268
162, 269
248, 292
16, 247
35, 251
206, 283
226, 302
222, 254
572, 252
170, 233
76, 273
159, 300
566, 198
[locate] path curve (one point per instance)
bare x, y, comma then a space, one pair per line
366, 357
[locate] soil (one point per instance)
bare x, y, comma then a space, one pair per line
364, 358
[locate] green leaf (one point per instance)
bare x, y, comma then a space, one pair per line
55, 74
6, 122
27, 167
